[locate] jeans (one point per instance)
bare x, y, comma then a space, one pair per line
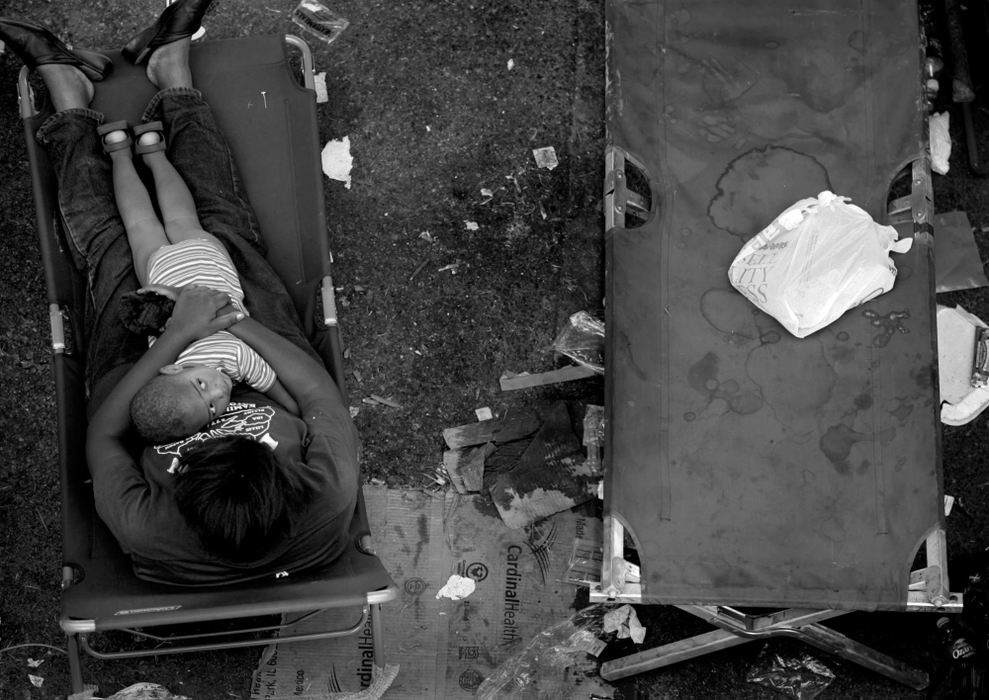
98, 241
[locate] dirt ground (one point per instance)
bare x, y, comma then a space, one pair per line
457, 259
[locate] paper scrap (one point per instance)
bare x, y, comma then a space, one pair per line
34, 663
319, 83
337, 160
457, 588
940, 138
545, 157
36, 681
625, 622
511, 63
949, 503
471, 225
483, 413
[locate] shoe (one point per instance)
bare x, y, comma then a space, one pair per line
105, 129
143, 148
37, 46
179, 20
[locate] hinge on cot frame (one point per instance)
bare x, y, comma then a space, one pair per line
56, 320
620, 199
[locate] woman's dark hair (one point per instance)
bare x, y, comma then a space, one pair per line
236, 495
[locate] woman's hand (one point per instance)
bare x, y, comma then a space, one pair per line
195, 314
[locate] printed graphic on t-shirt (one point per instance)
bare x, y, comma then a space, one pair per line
239, 419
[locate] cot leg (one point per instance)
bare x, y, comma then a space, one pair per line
378, 642
669, 654
75, 663
826, 639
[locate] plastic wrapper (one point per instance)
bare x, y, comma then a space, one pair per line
802, 677
552, 650
319, 21
819, 258
582, 340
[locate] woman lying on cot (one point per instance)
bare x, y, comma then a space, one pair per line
259, 492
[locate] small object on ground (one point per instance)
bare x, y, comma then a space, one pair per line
957, 264
940, 138
466, 467
386, 401
957, 331
965, 677
457, 588
471, 225
483, 413
545, 157
582, 340
803, 677
980, 364
565, 645
949, 503
319, 83
337, 160
319, 21
625, 623
511, 382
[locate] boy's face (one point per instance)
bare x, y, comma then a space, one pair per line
207, 390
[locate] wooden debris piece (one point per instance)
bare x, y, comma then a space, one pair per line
385, 401
472, 466
499, 430
551, 475
452, 464
511, 382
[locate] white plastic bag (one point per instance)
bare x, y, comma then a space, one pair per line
819, 258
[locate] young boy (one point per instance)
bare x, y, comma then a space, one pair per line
170, 253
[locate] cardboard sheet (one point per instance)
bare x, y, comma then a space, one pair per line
445, 648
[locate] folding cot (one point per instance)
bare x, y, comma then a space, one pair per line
768, 483
270, 121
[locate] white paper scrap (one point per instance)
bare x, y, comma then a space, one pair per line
545, 157
319, 82
940, 138
337, 160
626, 623
483, 413
457, 588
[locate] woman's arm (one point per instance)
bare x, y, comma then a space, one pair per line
304, 378
193, 317
279, 393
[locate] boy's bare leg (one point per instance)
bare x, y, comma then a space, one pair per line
144, 232
168, 67
178, 210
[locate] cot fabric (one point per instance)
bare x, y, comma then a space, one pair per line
227, 353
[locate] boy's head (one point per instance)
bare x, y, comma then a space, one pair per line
236, 495
179, 401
